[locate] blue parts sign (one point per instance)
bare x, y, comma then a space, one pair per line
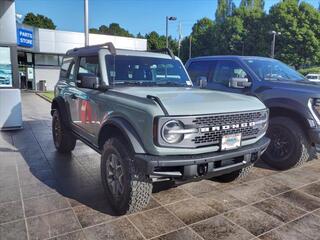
24, 37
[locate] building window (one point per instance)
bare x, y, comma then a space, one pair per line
46, 60
5, 67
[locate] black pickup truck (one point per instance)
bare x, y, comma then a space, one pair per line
294, 102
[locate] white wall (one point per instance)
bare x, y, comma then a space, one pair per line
8, 32
10, 109
51, 75
54, 41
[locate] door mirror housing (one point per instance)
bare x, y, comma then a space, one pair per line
239, 83
202, 81
87, 80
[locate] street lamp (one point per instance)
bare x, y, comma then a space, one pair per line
273, 44
167, 23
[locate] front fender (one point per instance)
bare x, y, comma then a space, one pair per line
289, 104
127, 131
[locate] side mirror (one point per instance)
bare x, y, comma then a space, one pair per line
239, 83
202, 81
87, 80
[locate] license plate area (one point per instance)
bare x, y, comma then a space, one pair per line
231, 141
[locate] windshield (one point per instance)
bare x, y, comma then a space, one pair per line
273, 70
146, 71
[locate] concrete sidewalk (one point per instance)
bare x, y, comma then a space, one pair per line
45, 195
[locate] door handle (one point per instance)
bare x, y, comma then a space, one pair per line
73, 96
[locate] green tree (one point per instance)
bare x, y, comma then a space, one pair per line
229, 37
39, 21
225, 9
184, 49
156, 41
202, 37
255, 27
139, 35
113, 29
299, 24
252, 4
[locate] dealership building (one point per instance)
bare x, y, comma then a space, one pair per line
30, 55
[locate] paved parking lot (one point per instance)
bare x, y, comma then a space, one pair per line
47, 195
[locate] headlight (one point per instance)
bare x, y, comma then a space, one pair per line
314, 107
171, 131
265, 117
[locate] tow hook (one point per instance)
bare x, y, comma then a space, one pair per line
202, 169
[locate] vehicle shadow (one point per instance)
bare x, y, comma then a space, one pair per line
45, 170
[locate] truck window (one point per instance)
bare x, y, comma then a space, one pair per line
66, 67
227, 69
89, 64
71, 73
199, 69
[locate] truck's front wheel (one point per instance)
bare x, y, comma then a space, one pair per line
128, 190
289, 146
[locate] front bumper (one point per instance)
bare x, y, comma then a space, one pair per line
214, 164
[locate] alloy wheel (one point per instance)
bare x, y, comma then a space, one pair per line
115, 175
57, 131
281, 145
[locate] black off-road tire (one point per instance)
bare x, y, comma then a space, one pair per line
235, 176
137, 186
299, 149
63, 138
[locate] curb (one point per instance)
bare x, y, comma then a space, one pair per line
44, 97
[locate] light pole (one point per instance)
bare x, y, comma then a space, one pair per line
167, 26
273, 44
86, 23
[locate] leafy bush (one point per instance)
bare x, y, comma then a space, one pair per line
305, 71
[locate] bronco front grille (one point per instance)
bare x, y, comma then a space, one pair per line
216, 120
208, 130
214, 137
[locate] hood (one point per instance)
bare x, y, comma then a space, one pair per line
193, 101
304, 87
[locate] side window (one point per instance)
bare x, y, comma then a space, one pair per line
199, 69
89, 65
71, 73
67, 65
226, 70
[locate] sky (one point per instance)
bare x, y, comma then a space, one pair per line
136, 16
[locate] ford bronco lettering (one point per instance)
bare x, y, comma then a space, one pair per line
140, 111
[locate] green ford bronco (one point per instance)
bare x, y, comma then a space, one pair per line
140, 111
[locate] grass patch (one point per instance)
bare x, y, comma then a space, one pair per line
49, 95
